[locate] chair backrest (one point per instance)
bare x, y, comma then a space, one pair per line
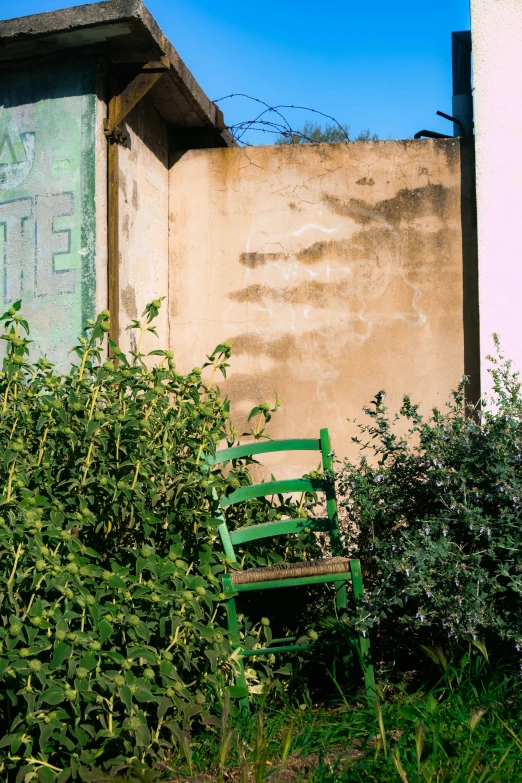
328, 524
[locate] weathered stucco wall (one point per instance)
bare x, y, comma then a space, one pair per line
334, 270
496, 29
144, 223
47, 200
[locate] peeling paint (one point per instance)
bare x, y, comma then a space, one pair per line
47, 210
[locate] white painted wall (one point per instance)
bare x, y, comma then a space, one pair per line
496, 27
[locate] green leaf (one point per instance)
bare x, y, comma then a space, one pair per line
141, 563
105, 630
61, 652
91, 553
166, 668
213, 658
89, 661
144, 695
46, 775
45, 733
143, 738
57, 518
126, 697
237, 692
143, 632
117, 582
142, 652
7, 739
164, 704
81, 736
92, 426
53, 695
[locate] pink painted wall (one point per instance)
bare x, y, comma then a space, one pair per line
497, 65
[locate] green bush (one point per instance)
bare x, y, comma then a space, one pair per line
436, 518
112, 623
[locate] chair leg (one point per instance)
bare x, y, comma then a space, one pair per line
341, 604
341, 596
233, 627
364, 641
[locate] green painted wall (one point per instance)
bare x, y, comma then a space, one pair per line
47, 209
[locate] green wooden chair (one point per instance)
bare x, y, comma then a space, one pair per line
336, 569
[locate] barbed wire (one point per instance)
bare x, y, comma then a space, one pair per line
282, 128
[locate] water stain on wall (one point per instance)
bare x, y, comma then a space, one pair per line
408, 204
381, 258
128, 300
332, 271
253, 260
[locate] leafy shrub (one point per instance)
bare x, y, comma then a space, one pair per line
112, 633
436, 518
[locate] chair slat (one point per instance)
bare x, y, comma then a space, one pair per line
272, 488
264, 447
282, 527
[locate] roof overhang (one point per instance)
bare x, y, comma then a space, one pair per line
126, 32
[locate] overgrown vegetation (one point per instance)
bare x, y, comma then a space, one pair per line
464, 729
114, 656
112, 620
437, 521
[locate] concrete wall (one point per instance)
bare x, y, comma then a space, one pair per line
497, 73
100, 142
334, 270
144, 222
47, 197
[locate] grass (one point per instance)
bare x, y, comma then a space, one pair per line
466, 728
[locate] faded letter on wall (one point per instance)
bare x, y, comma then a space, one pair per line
47, 217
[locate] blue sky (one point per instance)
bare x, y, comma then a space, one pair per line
380, 65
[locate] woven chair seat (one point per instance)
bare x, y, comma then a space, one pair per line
332, 565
